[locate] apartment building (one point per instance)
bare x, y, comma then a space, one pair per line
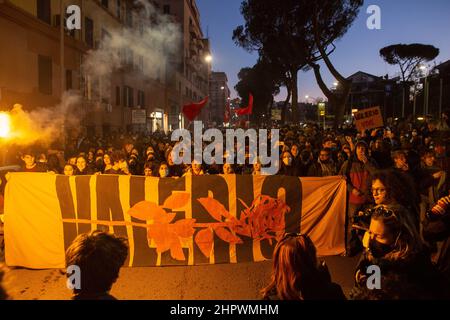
220, 96
38, 66
188, 72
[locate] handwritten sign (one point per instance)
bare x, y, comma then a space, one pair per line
369, 119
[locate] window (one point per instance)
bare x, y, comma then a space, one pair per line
140, 63
105, 3
118, 9
69, 80
89, 32
128, 15
44, 11
128, 97
166, 9
129, 56
45, 74
117, 96
141, 99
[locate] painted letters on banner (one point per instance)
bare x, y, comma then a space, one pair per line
186, 221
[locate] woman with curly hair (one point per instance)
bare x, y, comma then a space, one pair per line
296, 274
392, 187
393, 244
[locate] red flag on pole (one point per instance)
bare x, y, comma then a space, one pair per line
192, 110
227, 115
247, 110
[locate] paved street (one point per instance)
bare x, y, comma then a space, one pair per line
221, 282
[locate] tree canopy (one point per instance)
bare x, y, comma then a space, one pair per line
262, 80
408, 57
295, 34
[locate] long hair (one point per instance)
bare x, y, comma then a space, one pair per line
400, 188
397, 221
294, 267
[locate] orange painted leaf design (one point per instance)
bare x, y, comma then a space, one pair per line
214, 208
204, 240
164, 217
243, 230
176, 200
227, 236
176, 251
184, 228
160, 233
143, 210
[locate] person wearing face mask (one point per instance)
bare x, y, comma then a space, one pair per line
392, 243
415, 139
119, 163
286, 167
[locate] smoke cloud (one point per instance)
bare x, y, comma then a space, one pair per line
43, 125
155, 40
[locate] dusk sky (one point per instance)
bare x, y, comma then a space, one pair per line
402, 21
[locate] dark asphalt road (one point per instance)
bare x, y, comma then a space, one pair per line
213, 282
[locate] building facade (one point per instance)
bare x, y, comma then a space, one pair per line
368, 90
219, 96
40, 67
188, 72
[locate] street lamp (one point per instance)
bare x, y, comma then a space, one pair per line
426, 89
208, 58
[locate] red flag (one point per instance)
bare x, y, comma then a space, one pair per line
248, 109
226, 117
192, 110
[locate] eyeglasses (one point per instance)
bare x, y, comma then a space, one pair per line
378, 191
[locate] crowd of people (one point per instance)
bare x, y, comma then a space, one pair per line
398, 212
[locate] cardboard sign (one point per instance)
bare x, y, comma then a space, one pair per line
369, 119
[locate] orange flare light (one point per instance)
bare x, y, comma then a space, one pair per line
5, 126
